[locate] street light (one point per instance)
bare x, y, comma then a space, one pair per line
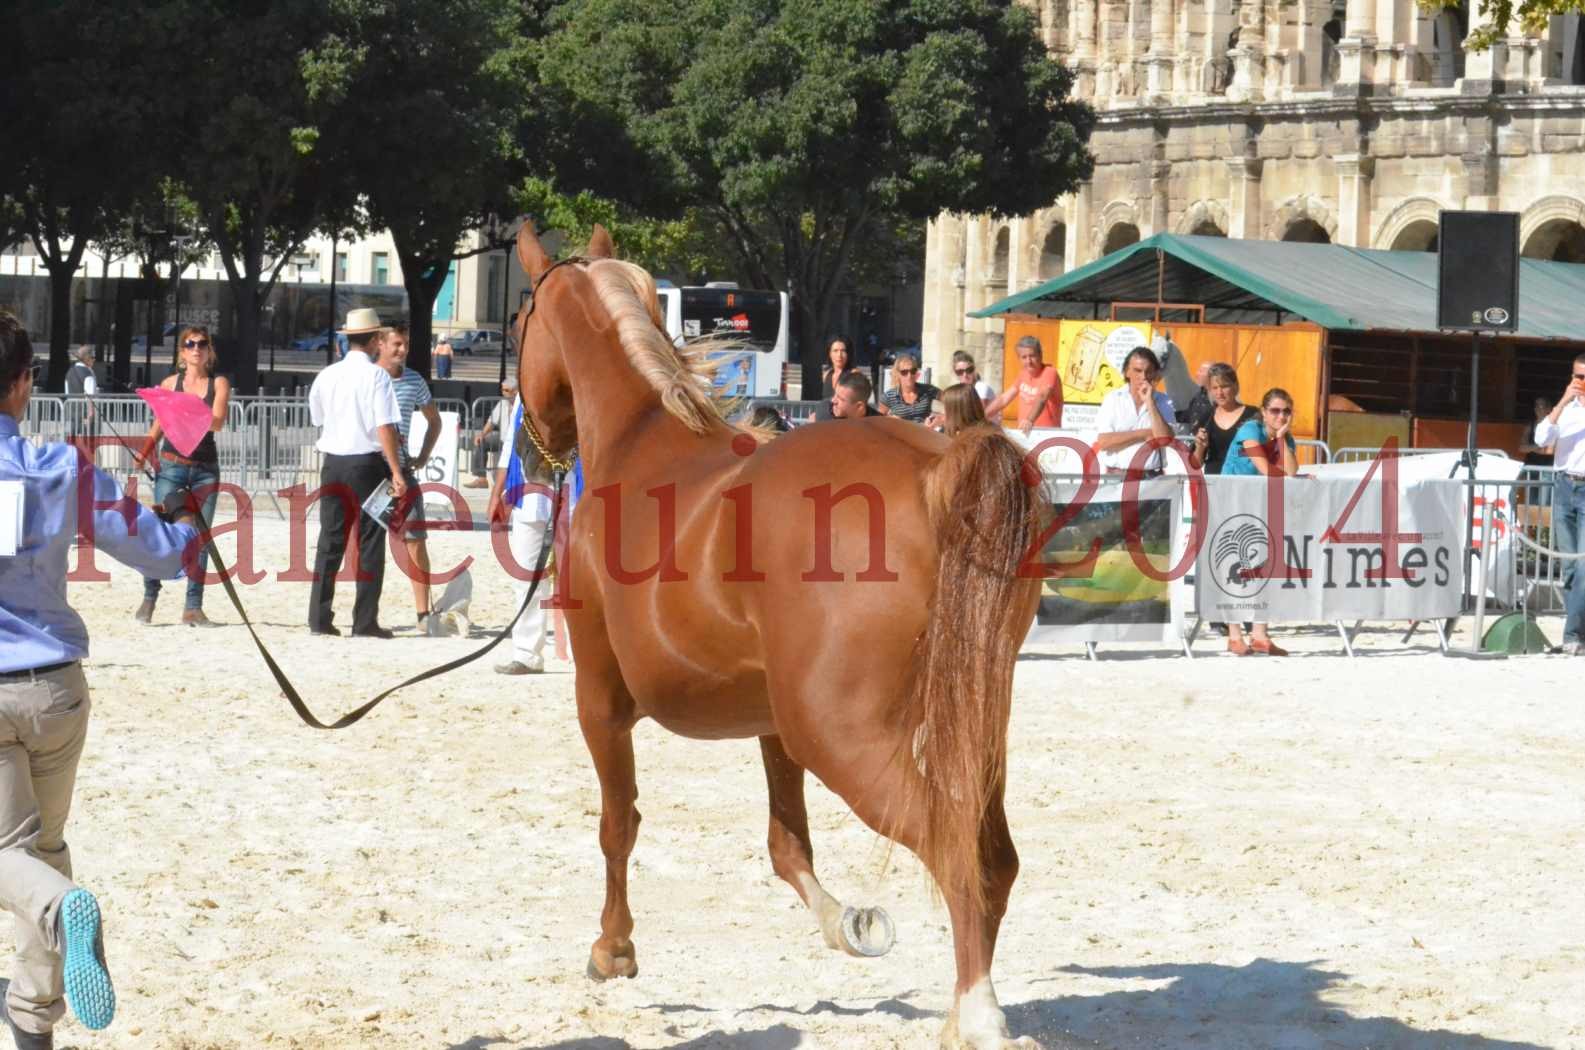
500, 231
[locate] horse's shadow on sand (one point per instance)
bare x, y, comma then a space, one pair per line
1262, 1004
1267, 1003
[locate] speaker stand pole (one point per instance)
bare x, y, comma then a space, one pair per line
1471, 455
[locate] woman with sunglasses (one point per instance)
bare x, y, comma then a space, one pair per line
908, 398
966, 371
1263, 446
198, 473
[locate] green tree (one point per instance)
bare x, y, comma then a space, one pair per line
81, 103
685, 249
255, 161
799, 125
433, 99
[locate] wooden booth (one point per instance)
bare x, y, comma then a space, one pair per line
1349, 333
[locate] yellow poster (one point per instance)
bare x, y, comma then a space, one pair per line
1090, 357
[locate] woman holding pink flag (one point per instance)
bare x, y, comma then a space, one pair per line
197, 471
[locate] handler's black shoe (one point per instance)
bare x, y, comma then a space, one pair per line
24, 1040
374, 632
330, 629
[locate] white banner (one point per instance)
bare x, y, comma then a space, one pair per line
1330, 561
442, 464
1134, 589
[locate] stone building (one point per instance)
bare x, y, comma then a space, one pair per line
1349, 121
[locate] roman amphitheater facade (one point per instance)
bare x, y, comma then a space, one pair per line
1312, 120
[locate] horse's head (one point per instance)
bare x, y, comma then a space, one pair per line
543, 340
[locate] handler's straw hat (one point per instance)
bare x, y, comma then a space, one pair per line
364, 319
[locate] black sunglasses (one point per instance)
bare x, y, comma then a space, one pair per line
192, 343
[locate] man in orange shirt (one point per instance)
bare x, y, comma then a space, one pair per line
1038, 390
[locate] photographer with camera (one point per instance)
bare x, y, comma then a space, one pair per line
44, 700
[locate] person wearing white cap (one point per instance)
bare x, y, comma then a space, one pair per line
354, 405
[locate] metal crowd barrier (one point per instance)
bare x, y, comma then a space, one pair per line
1312, 453
796, 413
1357, 453
1538, 579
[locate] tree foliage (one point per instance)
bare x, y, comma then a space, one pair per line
1497, 18
799, 125
79, 80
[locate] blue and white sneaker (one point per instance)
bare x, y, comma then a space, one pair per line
88, 990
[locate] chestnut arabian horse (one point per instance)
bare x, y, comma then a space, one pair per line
706, 575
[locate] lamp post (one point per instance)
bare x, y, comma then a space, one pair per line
330, 334
179, 242
499, 228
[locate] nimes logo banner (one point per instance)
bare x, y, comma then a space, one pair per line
1333, 560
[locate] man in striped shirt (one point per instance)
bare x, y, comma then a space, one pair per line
412, 394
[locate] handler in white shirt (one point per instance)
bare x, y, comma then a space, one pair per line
1132, 415
354, 404
1565, 426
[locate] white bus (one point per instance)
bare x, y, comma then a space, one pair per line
757, 318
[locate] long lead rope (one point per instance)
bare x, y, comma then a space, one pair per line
357, 714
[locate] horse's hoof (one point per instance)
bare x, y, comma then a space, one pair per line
603, 965
867, 932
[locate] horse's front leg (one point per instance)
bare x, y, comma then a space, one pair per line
606, 713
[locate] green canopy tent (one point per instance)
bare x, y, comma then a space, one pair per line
1249, 282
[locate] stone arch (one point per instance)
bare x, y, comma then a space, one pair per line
1404, 227
1553, 228
1001, 250
1204, 218
1292, 215
1116, 220
1053, 260
1119, 236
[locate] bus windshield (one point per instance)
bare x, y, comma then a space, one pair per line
754, 317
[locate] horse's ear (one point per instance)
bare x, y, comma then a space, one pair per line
530, 254
600, 246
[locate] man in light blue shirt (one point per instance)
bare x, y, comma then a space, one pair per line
44, 700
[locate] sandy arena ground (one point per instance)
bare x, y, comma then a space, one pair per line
1383, 852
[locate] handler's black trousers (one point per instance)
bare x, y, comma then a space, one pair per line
345, 482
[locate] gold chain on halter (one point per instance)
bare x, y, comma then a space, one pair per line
555, 463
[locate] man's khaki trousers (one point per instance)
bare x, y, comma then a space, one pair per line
43, 722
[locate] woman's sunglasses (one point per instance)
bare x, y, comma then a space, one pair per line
196, 344
908, 371
966, 370
1280, 411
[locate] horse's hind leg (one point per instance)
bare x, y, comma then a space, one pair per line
857, 931
977, 1021
607, 714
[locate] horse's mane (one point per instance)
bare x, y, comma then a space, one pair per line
680, 377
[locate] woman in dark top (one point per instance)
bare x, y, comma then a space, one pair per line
838, 364
909, 398
1213, 434
198, 473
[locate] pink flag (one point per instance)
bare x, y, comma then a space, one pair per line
184, 417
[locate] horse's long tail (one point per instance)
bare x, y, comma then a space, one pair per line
985, 514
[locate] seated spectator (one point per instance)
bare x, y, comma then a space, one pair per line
765, 417
1038, 390
851, 398
488, 442
961, 408
1265, 445
1133, 414
966, 371
909, 399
